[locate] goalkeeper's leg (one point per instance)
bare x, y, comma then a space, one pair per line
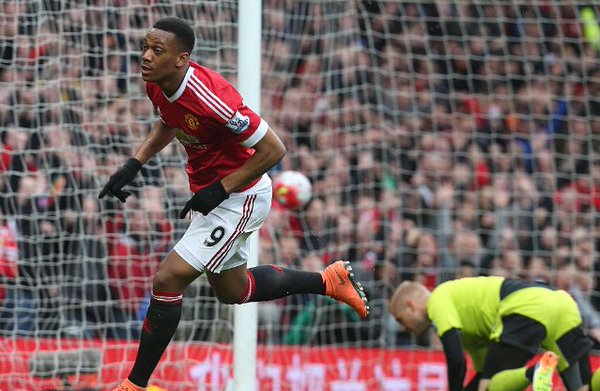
592, 381
595, 382
504, 368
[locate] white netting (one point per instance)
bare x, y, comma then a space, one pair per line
442, 138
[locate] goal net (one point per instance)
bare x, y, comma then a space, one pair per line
443, 139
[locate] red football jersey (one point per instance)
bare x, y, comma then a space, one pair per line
211, 121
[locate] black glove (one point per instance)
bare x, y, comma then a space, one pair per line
122, 177
205, 200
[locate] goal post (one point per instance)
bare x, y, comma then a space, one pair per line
249, 85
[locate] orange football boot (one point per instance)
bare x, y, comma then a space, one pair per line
128, 386
340, 285
544, 369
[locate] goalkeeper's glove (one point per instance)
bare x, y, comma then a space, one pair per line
122, 177
205, 200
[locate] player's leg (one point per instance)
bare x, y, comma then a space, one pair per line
173, 276
573, 351
595, 382
262, 283
504, 368
572, 379
226, 250
585, 372
510, 379
516, 341
237, 284
590, 381
575, 371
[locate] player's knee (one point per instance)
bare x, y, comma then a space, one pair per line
231, 292
230, 286
229, 296
173, 275
166, 281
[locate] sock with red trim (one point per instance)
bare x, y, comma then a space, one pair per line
159, 327
269, 282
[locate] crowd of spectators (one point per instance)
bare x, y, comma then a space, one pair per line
445, 139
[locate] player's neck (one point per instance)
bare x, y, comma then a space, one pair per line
169, 87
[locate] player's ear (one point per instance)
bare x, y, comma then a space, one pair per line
183, 59
410, 305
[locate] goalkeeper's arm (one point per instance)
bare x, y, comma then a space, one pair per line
455, 359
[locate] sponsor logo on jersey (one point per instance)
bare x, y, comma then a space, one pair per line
191, 121
187, 140
238, 123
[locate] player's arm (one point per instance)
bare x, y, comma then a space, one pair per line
455, 359
268, 152
158, 138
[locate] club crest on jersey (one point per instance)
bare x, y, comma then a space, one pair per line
191, 121
238, 123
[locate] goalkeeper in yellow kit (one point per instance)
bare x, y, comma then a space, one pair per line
501, 323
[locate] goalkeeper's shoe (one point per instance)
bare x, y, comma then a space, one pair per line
543, 372
340, 285
128, 386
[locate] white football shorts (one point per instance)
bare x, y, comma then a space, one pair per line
218, 241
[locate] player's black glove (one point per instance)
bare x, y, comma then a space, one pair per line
122, 177
205, 200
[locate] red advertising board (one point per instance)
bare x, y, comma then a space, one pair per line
208, 367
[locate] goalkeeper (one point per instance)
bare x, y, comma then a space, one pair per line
501, 323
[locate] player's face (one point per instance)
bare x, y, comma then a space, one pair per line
161, 56
413, 319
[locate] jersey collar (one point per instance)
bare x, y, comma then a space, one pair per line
182, 86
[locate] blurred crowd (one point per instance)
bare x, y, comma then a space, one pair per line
443, 139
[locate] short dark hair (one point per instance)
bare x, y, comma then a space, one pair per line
184, 33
